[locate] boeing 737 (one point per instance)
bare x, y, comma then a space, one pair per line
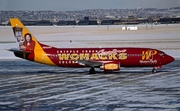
107, 59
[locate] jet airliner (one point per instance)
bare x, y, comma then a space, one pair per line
107, 59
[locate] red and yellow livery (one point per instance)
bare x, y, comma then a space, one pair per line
107, 59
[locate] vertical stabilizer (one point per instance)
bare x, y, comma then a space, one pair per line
28, 43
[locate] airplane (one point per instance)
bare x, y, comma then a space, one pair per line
107, 59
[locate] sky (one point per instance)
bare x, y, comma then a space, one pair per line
71, 5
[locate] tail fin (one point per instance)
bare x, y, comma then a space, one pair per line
28, 44
24, 38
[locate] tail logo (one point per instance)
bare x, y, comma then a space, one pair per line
25, 42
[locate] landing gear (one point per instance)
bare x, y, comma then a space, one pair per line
92, 70
154, 70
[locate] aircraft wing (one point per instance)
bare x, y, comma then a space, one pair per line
92, 63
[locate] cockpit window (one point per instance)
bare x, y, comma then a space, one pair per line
161, 53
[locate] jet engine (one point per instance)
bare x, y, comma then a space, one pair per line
110, 66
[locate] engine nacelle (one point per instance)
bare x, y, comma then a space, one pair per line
111, 66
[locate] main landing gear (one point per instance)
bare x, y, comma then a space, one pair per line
92, 71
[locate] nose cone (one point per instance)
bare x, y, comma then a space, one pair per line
169, 59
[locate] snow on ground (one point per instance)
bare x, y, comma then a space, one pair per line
31, 86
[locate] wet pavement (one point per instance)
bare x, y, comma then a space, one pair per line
28, 86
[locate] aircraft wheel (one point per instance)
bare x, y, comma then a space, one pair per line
92, 70
154, 71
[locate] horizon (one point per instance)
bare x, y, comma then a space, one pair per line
97, 9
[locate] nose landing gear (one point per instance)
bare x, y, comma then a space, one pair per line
154, 68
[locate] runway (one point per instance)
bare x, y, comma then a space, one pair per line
28, 86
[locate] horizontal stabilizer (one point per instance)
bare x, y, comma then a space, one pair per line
17, 50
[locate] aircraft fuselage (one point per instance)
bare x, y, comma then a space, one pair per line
126, 57
107, 59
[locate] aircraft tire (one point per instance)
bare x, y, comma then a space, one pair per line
154, 71
92, 70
